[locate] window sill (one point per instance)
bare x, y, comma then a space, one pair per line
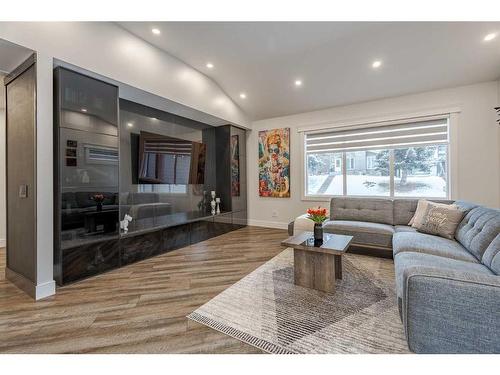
327, 198
319, 198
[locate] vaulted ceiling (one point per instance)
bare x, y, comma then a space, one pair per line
333, 60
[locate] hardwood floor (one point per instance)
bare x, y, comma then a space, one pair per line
139, 308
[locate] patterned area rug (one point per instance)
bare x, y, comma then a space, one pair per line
267, 310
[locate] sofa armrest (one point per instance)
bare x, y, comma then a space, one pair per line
451, 312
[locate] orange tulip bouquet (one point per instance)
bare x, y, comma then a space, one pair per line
318, 215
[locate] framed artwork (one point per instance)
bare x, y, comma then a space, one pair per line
71, 162
235, 166
274, 163
71, 152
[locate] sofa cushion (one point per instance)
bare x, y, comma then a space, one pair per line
140, 211
438, 219
429, 244
143, 198
364, 233
404, 209
406, 260
404, 228
491, 257
375, 210
465, 206
478, 229
68, 200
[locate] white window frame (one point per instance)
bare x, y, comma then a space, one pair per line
370, 159
348, 165
451, 113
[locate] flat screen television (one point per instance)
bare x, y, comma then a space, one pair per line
167, 160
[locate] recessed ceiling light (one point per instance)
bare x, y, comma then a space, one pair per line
84, 109
129, 124
210, 65
490, 36
376, 64
243, 95
156, 31
298, 82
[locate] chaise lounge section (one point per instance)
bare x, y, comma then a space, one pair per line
448, 290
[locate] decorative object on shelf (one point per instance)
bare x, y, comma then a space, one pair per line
203, 202
124, 223
274, 163
318, 215
98, 199
212, 203
235, 165
498, 114
217, 201
85, 177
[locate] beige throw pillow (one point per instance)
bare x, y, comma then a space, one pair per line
438, 219
419, 212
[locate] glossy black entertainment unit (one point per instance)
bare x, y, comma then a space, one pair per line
100, 256
97, 158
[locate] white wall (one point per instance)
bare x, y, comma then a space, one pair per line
477, 149
2, 164
109, 50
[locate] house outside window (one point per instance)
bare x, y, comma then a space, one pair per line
351, 162
370, 161
402, 160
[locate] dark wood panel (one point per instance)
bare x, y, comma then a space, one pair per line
89, 260
140, 247
21, 171
223, 169
202, 230
176, 237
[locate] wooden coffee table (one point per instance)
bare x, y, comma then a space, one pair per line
317, 267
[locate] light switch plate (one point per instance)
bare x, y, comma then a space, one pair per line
23, 191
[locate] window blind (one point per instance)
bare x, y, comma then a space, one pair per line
388, 136
170, 146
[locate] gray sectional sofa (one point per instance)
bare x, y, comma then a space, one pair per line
448, 290
144, 205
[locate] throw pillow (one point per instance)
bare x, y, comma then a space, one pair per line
440, 220
419, 212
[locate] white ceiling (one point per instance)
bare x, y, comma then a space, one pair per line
333, 59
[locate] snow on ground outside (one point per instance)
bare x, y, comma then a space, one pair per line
428, 186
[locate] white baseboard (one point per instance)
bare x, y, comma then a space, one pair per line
37, 292
268, 224
3, 242
45, 290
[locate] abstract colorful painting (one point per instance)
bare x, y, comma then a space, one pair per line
274, 163
235, 166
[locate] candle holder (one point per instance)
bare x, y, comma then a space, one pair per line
217, 201
212, 203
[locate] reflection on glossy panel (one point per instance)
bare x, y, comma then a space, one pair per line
86, 152
140, 247
173, 189
91, 259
